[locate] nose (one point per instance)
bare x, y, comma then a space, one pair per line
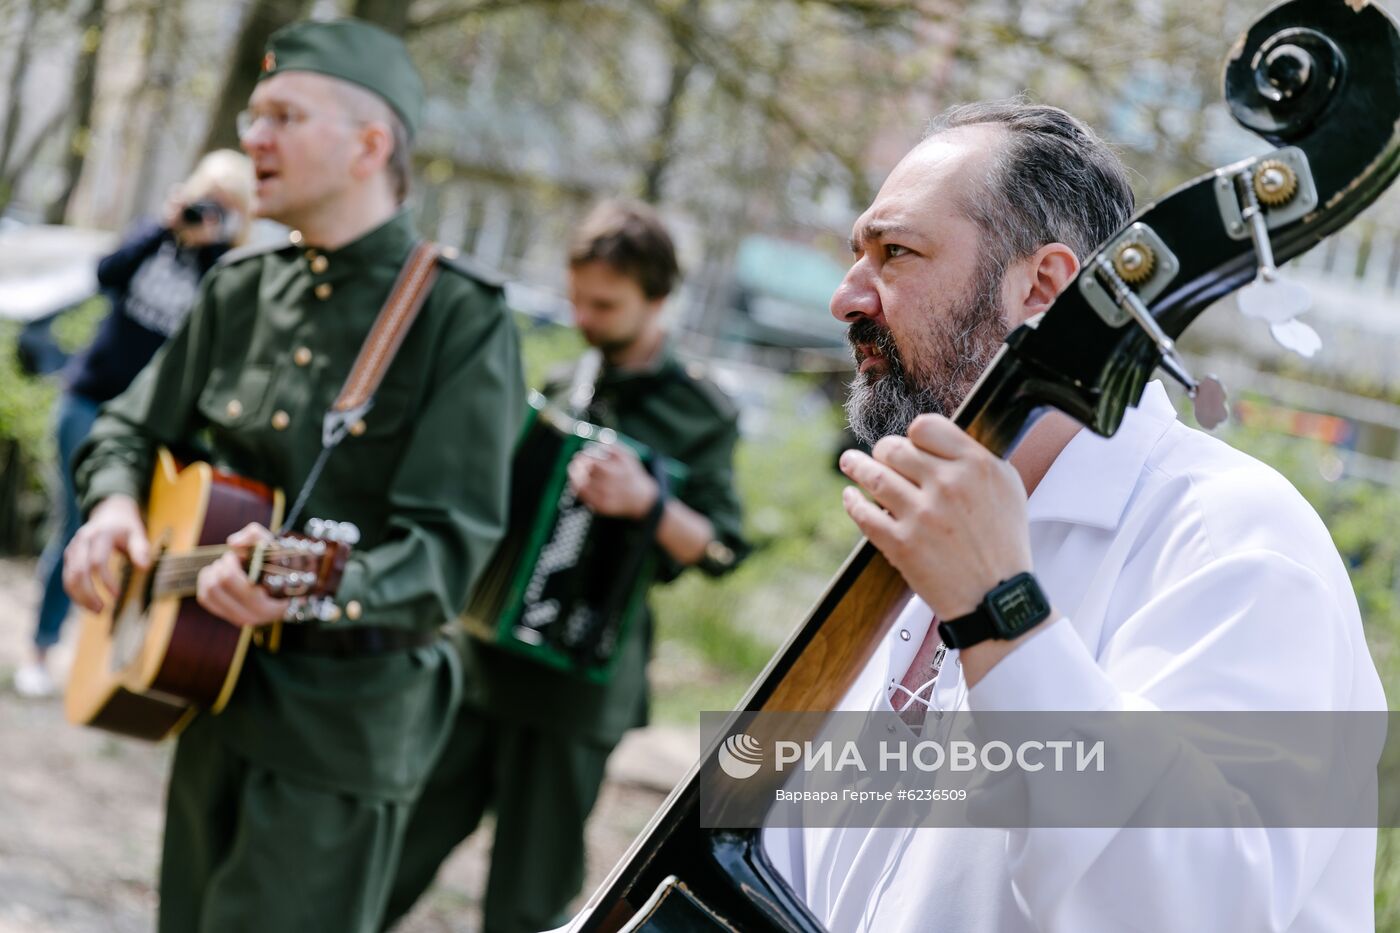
256, 137
856, 296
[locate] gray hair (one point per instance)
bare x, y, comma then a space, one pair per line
1054, 181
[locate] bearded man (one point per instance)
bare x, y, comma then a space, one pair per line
1176, 573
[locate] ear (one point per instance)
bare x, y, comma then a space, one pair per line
376, 145
1036, 281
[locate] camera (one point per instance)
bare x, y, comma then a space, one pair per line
198, 212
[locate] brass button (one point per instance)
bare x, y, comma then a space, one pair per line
302, 356
352, 610
280, 420
320, 264
358, 427
234, 408
323, 291
295, 237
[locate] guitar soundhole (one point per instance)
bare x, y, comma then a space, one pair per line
130, 621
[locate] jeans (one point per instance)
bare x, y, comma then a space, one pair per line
74, 415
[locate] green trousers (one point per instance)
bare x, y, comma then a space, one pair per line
540, 785
248, 849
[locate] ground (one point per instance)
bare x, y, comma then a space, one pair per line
81, 810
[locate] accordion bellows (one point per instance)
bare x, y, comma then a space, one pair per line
565, 584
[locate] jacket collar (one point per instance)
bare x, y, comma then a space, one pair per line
388, 242
1093, 478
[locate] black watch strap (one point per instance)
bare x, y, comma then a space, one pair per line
1010, 608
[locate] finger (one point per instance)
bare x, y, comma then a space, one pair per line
100, 560
221, 604
899, 454
138, 547
263, 608
873, 522
249, 535
941, 437
578, 476
77, 575
888, 488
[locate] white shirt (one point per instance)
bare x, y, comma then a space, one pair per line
1191, 577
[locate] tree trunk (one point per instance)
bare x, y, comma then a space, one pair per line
265, 18
15, 85
663, 143
392, 15
81, 106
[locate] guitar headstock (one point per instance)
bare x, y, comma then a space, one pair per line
307, 568
1320, 79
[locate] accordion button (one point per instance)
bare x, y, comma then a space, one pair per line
280, 420
353, 610
295, 237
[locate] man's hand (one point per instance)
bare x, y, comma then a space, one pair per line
954, 519
610, 480
224, 589
115, 526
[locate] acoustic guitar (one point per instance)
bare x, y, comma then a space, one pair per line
154, 657
1319, 80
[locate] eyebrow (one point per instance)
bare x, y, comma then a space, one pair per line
876, 230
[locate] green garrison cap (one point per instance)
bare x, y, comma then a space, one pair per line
351, 50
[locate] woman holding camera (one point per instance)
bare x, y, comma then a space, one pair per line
152, 280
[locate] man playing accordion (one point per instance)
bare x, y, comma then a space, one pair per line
531, 741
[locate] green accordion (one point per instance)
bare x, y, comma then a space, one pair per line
565, 584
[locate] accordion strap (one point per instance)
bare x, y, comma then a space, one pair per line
381, 345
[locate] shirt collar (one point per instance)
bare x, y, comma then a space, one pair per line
1093, 478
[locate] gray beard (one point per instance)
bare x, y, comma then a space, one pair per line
965, 337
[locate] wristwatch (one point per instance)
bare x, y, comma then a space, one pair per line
1011, 607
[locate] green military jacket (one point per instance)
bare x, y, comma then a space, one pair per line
681, 414
245, 384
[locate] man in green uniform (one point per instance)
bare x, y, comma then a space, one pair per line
286, 811
530, 742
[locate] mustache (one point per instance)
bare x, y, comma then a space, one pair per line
864, 332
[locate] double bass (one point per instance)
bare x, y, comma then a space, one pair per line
1317, 79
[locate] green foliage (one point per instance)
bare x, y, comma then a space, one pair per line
24, 403
546, 347
26, 438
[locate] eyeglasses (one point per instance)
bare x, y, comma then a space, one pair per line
279, 120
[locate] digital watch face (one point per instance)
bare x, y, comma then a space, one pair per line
1017, 605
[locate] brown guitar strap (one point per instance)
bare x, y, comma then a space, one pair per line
356, 397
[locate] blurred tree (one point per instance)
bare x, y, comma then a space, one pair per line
92, 25
264, 18
391, 14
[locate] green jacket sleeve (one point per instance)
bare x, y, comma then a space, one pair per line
448, 498
709, 490
158, 408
